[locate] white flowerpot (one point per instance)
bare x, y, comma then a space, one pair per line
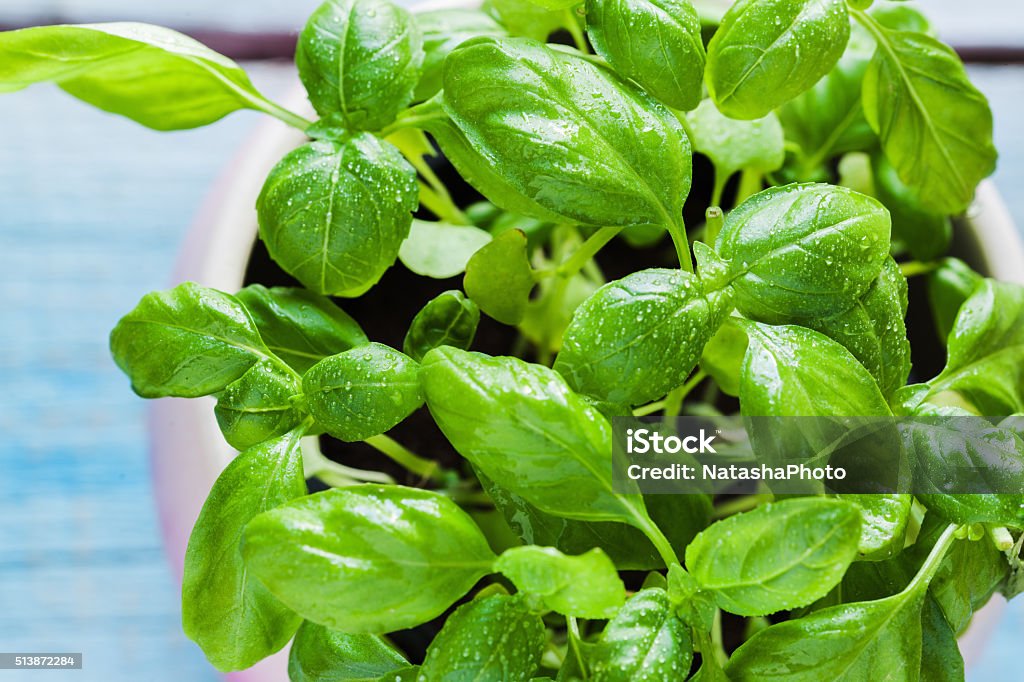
188, 451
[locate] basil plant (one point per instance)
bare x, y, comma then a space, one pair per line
833, 144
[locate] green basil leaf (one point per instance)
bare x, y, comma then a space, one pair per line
499, 278
601, 151
416, 551
186, 342
150, 74
985, 363
440, 250
803, 251
443, 30
639, 337
681, 517
778, 556
766, 52
794, 371
644, 642
525, 18
523, 428
584, 586
970, 573
934, 125
951, 451
362, 392
333, 215
723, 356
450, 319
259, 405
874, 331
224, 609
734, 145
873, 640
941, 660
481, 173
828, 120
657, 43
409, 674
949, 285
360, 61
493, 638
298, 326
884, 520
924, 233
319, 654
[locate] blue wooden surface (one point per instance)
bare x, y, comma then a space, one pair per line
92, 209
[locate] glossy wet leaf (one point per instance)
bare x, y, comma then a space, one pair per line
440, 250
795, 371
186, 342
872, 640
522, 426
644, 642
680, 516
734, 145
923, 232
259, 405
639, 337
723, 356
499, 278
657, 43
566, 134
584, 586
298, 326
492, 638
150, 74
766, 52
443, 30
319, 654
416, 551
334, 215
449, 319
940, 655
934, 125
360, 61
985, 361
778, 556
803, 251
225, 610
483, 175
949, 285
874, 331
362, 392
884, 520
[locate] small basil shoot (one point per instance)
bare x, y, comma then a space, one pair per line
450, 319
